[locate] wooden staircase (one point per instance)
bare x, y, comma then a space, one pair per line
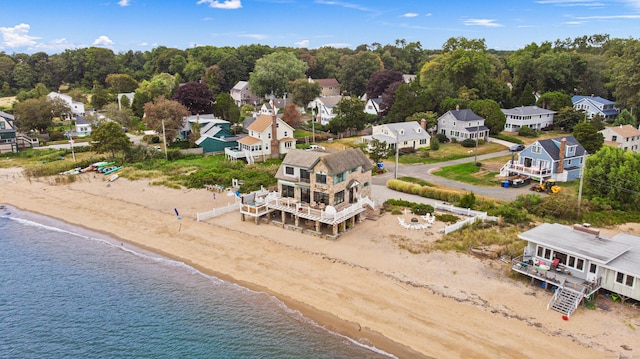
565, 300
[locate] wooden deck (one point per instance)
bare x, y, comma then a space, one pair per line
556, 278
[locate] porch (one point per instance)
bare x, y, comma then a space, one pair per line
514, 168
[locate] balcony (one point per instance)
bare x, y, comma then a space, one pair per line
510, 169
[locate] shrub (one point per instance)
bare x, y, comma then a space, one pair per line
525, 131
467, 201
406, 150
421, 209
434, 145
468, 143
442, 138
56, 136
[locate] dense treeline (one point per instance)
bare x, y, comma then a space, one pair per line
463, 68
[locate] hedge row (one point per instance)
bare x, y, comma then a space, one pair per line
424, 191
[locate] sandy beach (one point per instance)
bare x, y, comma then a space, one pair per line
365, 285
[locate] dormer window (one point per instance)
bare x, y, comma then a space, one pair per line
571, 150
402, 131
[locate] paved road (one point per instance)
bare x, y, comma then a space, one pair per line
422, 171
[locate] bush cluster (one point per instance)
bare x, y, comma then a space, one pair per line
424, 191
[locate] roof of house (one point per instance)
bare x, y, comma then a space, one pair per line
624, 130
261, 123
527, 111
240, 85
7, 116
329, 101
465, 115
335, 162
327, 82
408, 77
407, 130
552, 146
205, 118
597, 99
248, 140
566, 239
630, 261
82, 121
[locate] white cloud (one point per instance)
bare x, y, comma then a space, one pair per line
344, 4
207, 19
338, 45
17, 36
103, 41
428, 14
143, 44
254, 36
481, 22
586, 3
123, 2
303, 43
410, 14
225, 4
574, 22
608, 17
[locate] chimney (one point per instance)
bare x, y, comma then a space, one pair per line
586, 228
563, 148
275, 144
457, 107
423, 124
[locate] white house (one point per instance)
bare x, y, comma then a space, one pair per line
460, 125
241, 94
325, 107
372, 107
595, 105
404, 134
77, 108
624, 136
128, 95
533, 117
83, 128
268, 137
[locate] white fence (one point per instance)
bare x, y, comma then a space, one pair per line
474, 216
201, 216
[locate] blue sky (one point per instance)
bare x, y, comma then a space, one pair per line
55, 25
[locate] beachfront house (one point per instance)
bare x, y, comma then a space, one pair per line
577, 262
459, 125
402, 134
626, 137
595, 105
267, 137
82, 128
558, 158
534, 117
317, 188
8, 141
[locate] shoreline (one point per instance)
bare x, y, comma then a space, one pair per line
432, 305
327, 321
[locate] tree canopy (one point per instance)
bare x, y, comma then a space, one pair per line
273, 72
588, 136
303, 91
612, 176
195, 96
110, 137
172, 113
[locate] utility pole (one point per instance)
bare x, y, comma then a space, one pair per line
164, 138
475, 161
584, 164
397, 151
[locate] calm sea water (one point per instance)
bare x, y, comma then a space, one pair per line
69, 293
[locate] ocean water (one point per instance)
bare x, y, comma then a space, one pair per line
66, 292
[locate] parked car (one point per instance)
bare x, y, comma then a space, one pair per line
516, 148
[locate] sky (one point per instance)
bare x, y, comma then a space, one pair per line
51, 26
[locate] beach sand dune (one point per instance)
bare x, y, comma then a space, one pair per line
365, 285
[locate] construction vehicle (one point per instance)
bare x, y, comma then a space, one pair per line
548, 186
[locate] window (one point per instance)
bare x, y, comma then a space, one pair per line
2, 126
619, 277
547, 253
339, 197
285, 134
288, 144
577, 263
340, 177
321, 178
320, 197
287, 191
540, 251
593, 268
305, 176
629, 281
288, 170
614, 138
536, 149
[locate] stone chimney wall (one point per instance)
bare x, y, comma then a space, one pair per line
423, 124
563, 150
275, 144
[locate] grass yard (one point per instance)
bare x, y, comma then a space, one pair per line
449, 152
469, 173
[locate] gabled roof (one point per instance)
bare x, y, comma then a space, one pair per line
327, 82
630, 261
597, 99
575, 242
261, 123
7, 116
249, 140
527, 111
329, 101
336, 162
552, 146
465, 115
624, 130
241, 85
407, 130
205, 118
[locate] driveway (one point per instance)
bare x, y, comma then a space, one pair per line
423, 172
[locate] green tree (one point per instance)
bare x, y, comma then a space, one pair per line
613, 174
226, 108
408, 99
272, 73
356, 70
528, 97
624, 57
110, 137
430, 117
493, 116
567, 117
99, 62
33, 115
119, 83
303, 92
554, 101
349, 115
588, 136
119, 115
626, 118
100, 97
379, 150
162, 111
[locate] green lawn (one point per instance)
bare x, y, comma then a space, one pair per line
448, 152
469, 173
